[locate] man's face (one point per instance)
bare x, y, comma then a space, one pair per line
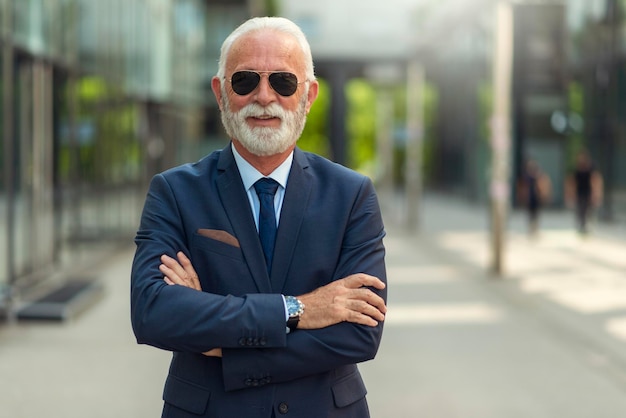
264, 121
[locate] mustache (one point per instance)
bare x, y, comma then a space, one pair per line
254, 110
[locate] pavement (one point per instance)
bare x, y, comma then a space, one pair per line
545, 340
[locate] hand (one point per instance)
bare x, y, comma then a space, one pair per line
347, 300
179, 272
216, 352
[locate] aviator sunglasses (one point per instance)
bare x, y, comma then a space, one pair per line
283, 83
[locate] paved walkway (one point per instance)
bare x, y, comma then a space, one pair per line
546, 341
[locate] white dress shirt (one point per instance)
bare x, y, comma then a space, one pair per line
250, 175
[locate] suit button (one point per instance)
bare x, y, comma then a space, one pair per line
283, 408
242, 341
262, 341
248, 382
249, 342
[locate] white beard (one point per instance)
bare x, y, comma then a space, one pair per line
264, 141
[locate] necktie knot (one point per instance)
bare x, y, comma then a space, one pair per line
266, 185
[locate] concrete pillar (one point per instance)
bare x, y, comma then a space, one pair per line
415, 129
384, 139
337, 79
500, 132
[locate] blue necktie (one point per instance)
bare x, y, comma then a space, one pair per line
266, 189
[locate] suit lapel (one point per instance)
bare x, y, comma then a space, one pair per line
235, 201
291, 217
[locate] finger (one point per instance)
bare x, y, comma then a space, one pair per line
359, 280
173, 265
177, 272
215, 352
370, 298
365, 308
190, 272
359, 318
169, 274
186, 264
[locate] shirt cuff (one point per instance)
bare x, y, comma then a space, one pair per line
286, 311
286, 314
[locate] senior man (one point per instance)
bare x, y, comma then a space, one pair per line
261, 267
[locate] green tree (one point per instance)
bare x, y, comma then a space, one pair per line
314, 137
361, 125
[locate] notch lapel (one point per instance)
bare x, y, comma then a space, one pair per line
291, 218
237, 207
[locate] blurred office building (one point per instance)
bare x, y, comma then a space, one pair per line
568, 82
96, 97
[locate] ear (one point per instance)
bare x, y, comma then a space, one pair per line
216, 86
314, 87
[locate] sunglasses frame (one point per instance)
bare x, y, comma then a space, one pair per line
269, 74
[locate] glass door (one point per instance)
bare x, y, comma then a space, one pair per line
34, 233
5, 176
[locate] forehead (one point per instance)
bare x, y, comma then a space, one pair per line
265, 50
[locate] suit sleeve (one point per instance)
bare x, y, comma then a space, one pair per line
177, 318
310, 352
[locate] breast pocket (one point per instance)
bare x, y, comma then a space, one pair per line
216, 246
221, 267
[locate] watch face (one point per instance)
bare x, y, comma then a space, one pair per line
293, 306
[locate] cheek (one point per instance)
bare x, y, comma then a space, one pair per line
237, 102
290, 103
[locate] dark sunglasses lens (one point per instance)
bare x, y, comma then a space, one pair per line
284, 84
243, 82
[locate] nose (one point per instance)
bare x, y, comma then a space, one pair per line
264, 93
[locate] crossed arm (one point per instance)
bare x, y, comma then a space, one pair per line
344, 300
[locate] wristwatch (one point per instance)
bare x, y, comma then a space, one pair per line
295, 309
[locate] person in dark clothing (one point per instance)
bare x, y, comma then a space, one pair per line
533, 190
584, 190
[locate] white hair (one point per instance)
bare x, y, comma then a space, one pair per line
279, 24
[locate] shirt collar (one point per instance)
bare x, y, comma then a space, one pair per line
250, 175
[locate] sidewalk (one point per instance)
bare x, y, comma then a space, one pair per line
547, 341
88, 367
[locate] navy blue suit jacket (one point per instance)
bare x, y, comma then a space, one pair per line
330, 227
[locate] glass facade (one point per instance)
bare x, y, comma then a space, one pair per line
97, 96
4, 176
568, 63
33, 224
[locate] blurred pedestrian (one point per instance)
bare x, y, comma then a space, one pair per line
534, 190
261, 266
584, 190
